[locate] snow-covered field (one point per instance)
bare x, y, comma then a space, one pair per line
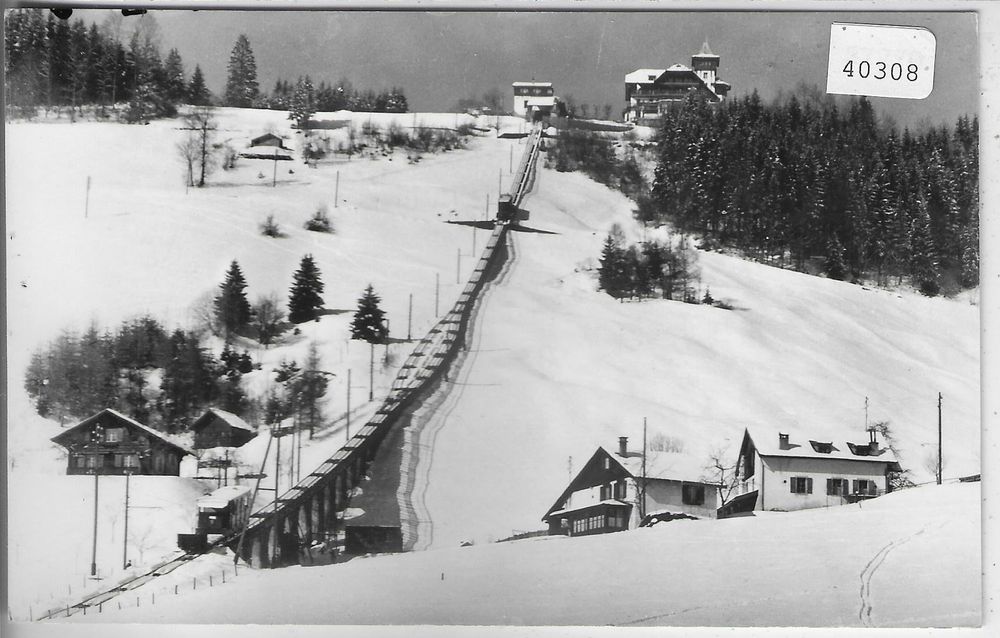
736, 572
554, 370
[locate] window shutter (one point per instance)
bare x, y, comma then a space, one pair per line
791, 483
809, 486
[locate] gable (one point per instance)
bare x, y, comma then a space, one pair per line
601, 468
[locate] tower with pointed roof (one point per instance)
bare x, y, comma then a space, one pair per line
705, 64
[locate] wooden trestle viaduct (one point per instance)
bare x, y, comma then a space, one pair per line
307, 513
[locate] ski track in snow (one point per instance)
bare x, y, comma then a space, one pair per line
865, 593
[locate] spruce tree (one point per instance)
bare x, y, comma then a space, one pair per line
241, 86
197, 92
304, 300
369, 325
834, 266
232, 310
174, 85
303, 103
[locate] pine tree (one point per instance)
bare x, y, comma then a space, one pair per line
303, 103
369, 325
611, 274
241, 86
197, 92
175, 89
834, 265
304, 300
232, 310
310, 388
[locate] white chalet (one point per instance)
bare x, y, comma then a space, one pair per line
777, 470
611, 493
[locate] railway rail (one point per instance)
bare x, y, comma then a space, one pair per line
307, 511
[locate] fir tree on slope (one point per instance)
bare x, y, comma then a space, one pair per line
175, 88
241, 86
369, 325
197, 92
303, 103
304, 300
232, 310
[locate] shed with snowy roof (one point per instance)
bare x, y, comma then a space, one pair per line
218, 428
781, 470
620, 491
649, 92
111, 443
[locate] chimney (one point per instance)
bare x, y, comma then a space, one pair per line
623, 446
872, 440
782, 440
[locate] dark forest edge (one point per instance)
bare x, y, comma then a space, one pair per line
801, 184
115, 70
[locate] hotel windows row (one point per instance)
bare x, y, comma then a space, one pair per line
835, 486
96, 461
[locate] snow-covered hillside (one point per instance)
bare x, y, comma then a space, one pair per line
554, 368
909, 559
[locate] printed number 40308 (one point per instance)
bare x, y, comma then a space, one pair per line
880, 70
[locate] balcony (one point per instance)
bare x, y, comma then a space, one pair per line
744, 487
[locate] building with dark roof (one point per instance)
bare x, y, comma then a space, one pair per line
620, 491
649, 92
111, 443
218, 428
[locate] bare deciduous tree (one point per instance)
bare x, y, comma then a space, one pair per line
200, 121
721, 471
267, 318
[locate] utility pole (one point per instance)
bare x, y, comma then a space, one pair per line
458, 266
939, 441
125, 533
487, 214
336, 191
511, 161
866, 413
409, 317
93, 551
371, 371
642, 503
86, 202
348, 403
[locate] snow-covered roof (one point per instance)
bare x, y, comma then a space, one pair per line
568, 510
130, 421
545, 84
675, 466
643, 76
267, 152
231, 419
705, 52
675, 68
222, 496
810, 444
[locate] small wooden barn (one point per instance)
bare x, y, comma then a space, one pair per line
111, 443
218, 428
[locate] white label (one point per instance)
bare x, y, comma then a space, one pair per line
881, 61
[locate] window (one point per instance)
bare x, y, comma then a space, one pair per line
605, 492
693, 494
801, 485
80, 461
864, 487
822, 448
127, 460
95, 461
607, 463
620, 490
836, 487
114, 435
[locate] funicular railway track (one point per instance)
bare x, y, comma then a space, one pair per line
307, 511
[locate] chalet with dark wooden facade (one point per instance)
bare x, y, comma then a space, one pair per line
649, 92
613, 493
111, 443
784, 471
218, 428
